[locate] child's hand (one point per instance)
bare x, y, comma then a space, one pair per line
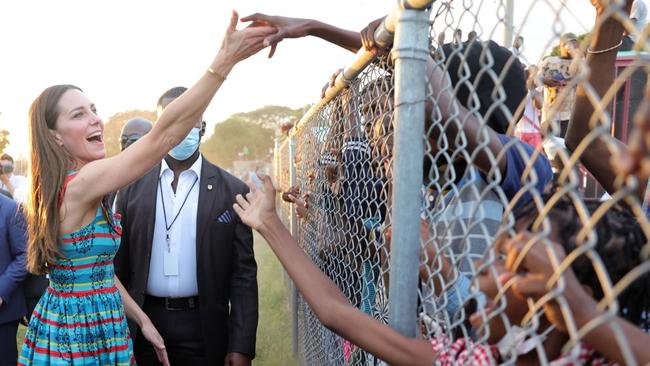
302, 203
258, 208
531, 266
292, 191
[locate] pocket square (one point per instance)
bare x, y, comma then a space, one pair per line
225, 217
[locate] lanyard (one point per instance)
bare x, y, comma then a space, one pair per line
162, 198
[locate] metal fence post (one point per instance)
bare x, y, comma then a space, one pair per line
410, 52
509, 25
276, 161
293, 226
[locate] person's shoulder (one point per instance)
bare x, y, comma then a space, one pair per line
7, 205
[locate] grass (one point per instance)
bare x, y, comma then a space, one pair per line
20, 335
274, 330
274, 339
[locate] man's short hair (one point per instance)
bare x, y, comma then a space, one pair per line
7, 157
172, 93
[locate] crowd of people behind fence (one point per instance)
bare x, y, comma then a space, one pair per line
478, 183
516, 264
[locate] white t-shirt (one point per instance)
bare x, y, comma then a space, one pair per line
639, 12
20, 183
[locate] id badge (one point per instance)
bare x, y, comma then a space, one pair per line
170, 263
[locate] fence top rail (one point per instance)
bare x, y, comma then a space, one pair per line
383, 37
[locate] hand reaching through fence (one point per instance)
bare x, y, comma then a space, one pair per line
297, 28
330, 83
302, 202
600, 153
531, 266
368, 34
527, 269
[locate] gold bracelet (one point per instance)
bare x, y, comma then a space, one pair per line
589, 50
218, 75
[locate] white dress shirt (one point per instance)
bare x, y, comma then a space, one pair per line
182, 234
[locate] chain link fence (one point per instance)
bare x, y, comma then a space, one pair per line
499, 157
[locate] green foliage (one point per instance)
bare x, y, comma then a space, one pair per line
271, 116
113, 128
237, 139
274, 339
247, 136
243, 136
4, 140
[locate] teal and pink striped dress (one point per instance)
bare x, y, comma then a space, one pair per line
80, 319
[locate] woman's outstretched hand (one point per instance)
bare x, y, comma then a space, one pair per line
258, 208
238, 45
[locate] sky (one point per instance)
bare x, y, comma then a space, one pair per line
125, 53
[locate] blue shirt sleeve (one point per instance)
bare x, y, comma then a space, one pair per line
517, 157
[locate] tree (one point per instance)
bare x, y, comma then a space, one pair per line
247, 136
4, 140
271, 116
113, 128
238, 139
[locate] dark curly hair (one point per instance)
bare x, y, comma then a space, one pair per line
619, 244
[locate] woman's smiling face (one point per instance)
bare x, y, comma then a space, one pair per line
78, 128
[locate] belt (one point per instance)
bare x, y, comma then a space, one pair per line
174, 303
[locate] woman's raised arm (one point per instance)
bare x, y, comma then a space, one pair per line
97, 178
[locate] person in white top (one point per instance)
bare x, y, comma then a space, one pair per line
187, 258
528, 129
517, 46
639, 15
10, 182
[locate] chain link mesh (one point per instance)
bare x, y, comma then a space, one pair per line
481, 186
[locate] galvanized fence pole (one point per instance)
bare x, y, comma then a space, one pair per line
410, 53
293, 225
509, 23
276, 162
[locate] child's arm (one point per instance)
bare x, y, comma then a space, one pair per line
530, 278
328, 303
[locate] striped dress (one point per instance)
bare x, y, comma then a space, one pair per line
80, 318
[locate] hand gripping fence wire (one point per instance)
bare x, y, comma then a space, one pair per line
435, 172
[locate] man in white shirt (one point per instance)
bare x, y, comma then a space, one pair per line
10, 182
187, 259
517, 46
639, 16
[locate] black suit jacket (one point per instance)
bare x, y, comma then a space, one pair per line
226, 268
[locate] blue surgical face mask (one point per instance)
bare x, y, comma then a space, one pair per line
188, 146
